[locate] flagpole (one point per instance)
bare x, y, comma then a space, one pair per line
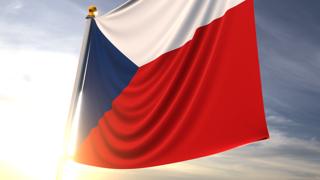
77, 89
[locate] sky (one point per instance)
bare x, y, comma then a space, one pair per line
39, 48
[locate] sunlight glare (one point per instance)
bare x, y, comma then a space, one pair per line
34, 99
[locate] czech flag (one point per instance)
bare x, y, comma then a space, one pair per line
170, 80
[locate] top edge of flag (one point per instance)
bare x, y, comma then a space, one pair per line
143, 36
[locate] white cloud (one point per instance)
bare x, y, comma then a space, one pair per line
278, 120
13, 7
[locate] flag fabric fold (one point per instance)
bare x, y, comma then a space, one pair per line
168, 81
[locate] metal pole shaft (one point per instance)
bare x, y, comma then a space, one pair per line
78, 86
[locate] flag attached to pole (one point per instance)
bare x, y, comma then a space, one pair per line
168, 81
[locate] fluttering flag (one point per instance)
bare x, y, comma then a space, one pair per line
168, 81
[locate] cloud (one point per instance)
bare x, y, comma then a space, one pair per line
13, 7
279, 120
41, 25
289, 45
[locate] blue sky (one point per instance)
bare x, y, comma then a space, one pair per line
40, 43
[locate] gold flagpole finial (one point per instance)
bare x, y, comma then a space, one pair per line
92, 11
